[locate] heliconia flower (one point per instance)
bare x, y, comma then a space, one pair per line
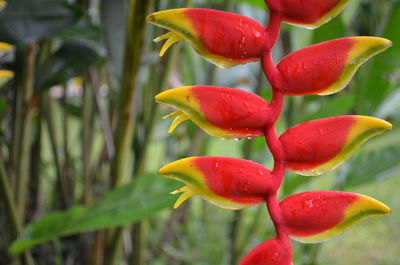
327, 67
5, 75
270, 252
316, 216
230, 183
225, 39
220, 111
5, 48
310, 13
315, 147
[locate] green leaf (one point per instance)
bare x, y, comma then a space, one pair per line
376, 79
113, 19
72, 59
372, 166
82, 30
133, 202
25, 21
349, 14
293, 181
256, 3
390, 107
334, 105
332, 30
300, 37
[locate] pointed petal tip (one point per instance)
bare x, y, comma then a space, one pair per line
378, 208
178, 120
163, 171
186, 195
150, 18
175, 166
375, 122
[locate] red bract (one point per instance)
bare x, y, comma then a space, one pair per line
227, 182
270, 252
221, 111
327, 67
315, 147
318, 215
308, 13
223, 38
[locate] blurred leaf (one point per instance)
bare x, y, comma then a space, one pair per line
293, 181
72, 59
25, 21
130, 203
256, 3
82, 30
369, 167
375, 80
349, 13
300, 37
113, 19
334, 105
332, 30
390, 107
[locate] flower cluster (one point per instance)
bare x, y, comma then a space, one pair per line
310, 148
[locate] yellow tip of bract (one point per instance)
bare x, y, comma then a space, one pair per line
181, 165
328, 213
373, 206
363, 49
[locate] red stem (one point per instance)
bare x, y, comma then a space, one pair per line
274, 77
274, 26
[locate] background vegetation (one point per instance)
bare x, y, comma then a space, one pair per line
81, 138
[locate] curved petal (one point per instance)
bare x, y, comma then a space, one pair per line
225, 39
270, 252
327, 67
316, 216
230, 183
220, 111
310, 13
315, 147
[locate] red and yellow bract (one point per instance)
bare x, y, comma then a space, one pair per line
206, 31
231, 183
319, 215
220, 111
315, 147
327, 67
309, 13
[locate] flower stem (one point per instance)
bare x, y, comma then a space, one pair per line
274, 77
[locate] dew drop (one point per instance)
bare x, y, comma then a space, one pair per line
215, 166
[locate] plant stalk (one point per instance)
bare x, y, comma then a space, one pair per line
126, 113
24, 135
133, 50
65, 196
